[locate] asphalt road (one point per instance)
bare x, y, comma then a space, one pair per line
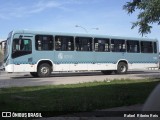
24, 79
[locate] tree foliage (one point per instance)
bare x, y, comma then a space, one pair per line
149, 14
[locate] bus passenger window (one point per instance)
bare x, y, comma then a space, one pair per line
118, 45
44, 42
146, 47
133, 46
83, 43
64, 43
58, 44
101, 45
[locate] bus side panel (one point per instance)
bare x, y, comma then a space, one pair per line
142, 60
108, 59
72, 60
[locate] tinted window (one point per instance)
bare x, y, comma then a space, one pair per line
146, 47
21, 47
133, 46
44, 42
64, 43
101, 45
155, 47
118, 45
83, 43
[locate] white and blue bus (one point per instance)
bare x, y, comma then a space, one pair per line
41, 53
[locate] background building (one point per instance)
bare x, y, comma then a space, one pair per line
2, 45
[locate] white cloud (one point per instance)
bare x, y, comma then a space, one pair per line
43, 5
19, 10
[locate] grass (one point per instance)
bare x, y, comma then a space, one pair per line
78, 97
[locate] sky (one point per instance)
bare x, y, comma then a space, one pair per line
64, 15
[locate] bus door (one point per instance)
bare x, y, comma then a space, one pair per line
22, 53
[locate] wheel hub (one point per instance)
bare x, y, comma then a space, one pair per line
123, 68
44, 70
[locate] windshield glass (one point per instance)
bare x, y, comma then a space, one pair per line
6, 47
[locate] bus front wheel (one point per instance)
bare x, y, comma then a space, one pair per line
122, 68
44, 70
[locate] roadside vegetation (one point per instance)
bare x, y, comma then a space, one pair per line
76, 98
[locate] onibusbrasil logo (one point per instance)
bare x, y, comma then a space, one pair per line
21, 115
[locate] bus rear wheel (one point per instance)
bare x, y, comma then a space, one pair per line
44, 70
122, 68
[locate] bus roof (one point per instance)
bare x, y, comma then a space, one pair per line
82, 35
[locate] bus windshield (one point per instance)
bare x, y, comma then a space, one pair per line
7, 46
6, 49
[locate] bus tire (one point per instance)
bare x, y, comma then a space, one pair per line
44, 70
34, 74
106, 72
122, 68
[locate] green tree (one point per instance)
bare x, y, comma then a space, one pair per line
149, 13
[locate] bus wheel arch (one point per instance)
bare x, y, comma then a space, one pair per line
122, 67
44, 68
